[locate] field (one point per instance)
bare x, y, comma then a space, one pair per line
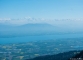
22, 51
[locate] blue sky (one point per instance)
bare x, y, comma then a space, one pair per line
47, 9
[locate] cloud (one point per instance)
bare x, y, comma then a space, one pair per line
56, 22
6, 19
20, 21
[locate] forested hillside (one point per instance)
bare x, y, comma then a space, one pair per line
60, 56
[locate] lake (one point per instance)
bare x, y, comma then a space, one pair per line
41, 37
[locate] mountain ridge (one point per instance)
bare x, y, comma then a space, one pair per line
60, 56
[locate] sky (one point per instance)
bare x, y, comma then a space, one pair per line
45, 9
64, 14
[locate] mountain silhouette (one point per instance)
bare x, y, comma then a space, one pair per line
60, 56
27, 29
78, 56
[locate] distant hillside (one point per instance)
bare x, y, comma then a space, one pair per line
8, 30
60, 56
27, 29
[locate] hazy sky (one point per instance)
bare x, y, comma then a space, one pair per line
47, 9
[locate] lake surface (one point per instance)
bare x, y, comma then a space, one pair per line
41, 37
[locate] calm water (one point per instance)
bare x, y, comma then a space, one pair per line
42, 37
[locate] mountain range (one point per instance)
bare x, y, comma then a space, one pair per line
27, 29
9, 30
